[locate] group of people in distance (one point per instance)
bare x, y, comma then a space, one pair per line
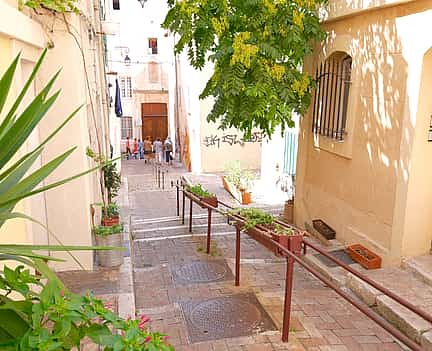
144, 149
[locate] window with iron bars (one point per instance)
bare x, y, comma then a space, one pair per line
153, 47
126, 127
330, 108
126, 87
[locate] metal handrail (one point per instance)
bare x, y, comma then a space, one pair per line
294, 258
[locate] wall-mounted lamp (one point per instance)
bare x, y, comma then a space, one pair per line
127, 60
142, 2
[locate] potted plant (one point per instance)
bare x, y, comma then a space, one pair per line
109, 236
203, 194
287, 237
245, 186
110, 215
238, 182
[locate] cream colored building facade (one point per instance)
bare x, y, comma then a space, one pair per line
77, 50
374, 187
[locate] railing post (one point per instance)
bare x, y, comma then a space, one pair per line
159, 177
178, 198
288, 295
237, 262
304, 248
163, 180
183, 207
209, 229
190, 216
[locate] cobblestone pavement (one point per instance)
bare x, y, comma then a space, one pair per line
176, 283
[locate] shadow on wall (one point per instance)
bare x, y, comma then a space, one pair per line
358, 195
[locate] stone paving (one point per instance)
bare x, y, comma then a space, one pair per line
161, 247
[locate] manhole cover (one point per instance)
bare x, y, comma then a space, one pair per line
339, 254
203, 272
225, 317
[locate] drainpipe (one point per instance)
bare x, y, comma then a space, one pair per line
176, 108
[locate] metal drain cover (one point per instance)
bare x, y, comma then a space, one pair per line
225, 317
203, 272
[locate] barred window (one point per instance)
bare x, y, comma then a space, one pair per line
330, 108
126, 127
153, 47
126, 87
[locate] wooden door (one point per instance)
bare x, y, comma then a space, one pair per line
154, 120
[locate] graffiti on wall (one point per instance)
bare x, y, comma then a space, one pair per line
231, 139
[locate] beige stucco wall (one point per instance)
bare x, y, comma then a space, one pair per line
372, 188
65, 209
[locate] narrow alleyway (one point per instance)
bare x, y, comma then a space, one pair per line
191, 296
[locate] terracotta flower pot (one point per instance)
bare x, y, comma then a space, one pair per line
110, 221
292, 242
364, 257
246, 197
212, 201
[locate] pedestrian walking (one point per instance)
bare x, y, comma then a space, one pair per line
148, 149
158, 148
135, 149
128, 148
141, 149
168, 147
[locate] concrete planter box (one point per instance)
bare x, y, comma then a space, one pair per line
110, 258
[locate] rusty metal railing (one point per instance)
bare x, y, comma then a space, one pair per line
291, 258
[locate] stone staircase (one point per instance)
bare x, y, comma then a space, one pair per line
412, 281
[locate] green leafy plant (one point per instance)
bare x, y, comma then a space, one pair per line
106, 231
109, 177
253, 216
241, 178
60, 6
257, 49
37, 312
199, 191
52, 318
280, 230
110, 210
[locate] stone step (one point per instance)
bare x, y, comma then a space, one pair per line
421, 267
403, 284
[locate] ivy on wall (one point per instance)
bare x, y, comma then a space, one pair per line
60, 6
257, 48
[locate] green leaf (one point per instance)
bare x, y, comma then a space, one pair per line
31, 181
13, 323
12, 138
6, 81
24, 90
40, 146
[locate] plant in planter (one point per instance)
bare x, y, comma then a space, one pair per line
110, 214
109, 236
203, 194
238, 182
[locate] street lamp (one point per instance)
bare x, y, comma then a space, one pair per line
127, 60
142, 2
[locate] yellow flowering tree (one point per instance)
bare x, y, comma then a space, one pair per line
258, 48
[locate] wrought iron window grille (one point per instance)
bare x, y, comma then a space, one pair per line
333, 79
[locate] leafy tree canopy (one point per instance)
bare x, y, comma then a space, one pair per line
258, 48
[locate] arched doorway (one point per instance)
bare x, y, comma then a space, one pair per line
154, 120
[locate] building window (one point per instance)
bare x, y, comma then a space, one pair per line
126, 127
126, 87
152, 44
330, 108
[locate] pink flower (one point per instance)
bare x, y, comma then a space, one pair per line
147, 339
62, 293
